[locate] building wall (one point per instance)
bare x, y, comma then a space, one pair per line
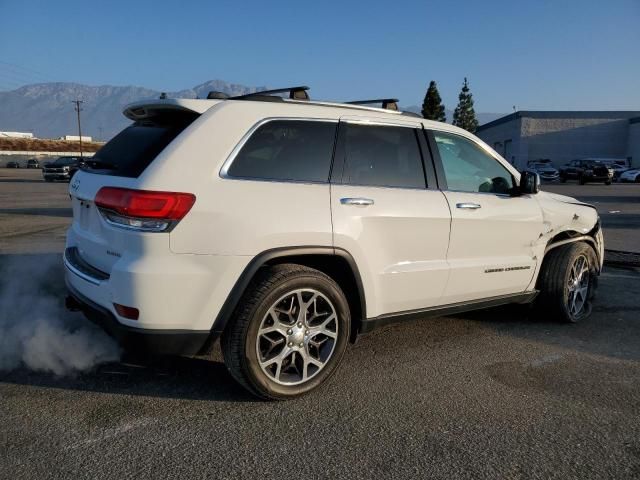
16, 135
565, 139
633, 145
564, 136
505, 139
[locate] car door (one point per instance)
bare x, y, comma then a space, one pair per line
492, 232
389, 215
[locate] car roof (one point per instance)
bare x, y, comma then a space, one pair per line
286, 107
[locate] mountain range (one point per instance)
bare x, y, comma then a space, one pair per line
46, 109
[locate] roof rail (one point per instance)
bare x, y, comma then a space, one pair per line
295, 93
300, 93
387, 103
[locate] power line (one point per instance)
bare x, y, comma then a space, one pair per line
13, 76
25, 70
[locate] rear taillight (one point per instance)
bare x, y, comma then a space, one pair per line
142, 209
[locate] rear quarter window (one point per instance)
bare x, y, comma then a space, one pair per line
130, 152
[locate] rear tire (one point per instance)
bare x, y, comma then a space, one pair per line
288, 333
567, 282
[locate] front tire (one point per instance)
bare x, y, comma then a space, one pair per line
289, 332
567, 282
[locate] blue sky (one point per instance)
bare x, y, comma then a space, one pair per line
542, 54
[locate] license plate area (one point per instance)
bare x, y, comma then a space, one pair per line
84, 212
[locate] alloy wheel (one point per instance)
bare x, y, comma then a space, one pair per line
578, 287
297, 336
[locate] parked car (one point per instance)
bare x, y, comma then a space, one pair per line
631, 175
546, 171
618, 170
299, 225
62, 168
13, 165
33, 163
586, 171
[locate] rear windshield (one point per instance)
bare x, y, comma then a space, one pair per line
133, 149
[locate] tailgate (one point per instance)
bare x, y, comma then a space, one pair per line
99, 244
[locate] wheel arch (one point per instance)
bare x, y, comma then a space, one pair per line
337, 263
572, 236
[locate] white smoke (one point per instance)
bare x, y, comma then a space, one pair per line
36, 331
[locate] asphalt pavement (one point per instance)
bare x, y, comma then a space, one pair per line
496, 394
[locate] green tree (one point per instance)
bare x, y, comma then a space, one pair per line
432, 107
464, 116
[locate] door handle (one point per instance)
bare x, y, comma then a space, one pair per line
360, 202
468, 206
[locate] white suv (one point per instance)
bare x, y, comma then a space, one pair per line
288, 227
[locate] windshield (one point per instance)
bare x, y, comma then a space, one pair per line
66, 161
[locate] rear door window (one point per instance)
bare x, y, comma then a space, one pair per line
287, 150
381, 156
130, 152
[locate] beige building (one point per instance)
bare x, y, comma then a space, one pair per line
565, 136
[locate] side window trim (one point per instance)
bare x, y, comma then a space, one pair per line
224, 170
338, 164
433, 165
439, 167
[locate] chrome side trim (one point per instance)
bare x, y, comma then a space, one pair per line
468, 205
361, 202
376, 122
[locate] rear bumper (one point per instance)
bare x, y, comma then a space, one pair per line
140, 340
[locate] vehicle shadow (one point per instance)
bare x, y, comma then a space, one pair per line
164, 377
612, 331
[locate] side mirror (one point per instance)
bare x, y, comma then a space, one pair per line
529, 182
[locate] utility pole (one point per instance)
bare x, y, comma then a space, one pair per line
78, 110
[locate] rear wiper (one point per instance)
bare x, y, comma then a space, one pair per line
99, 165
